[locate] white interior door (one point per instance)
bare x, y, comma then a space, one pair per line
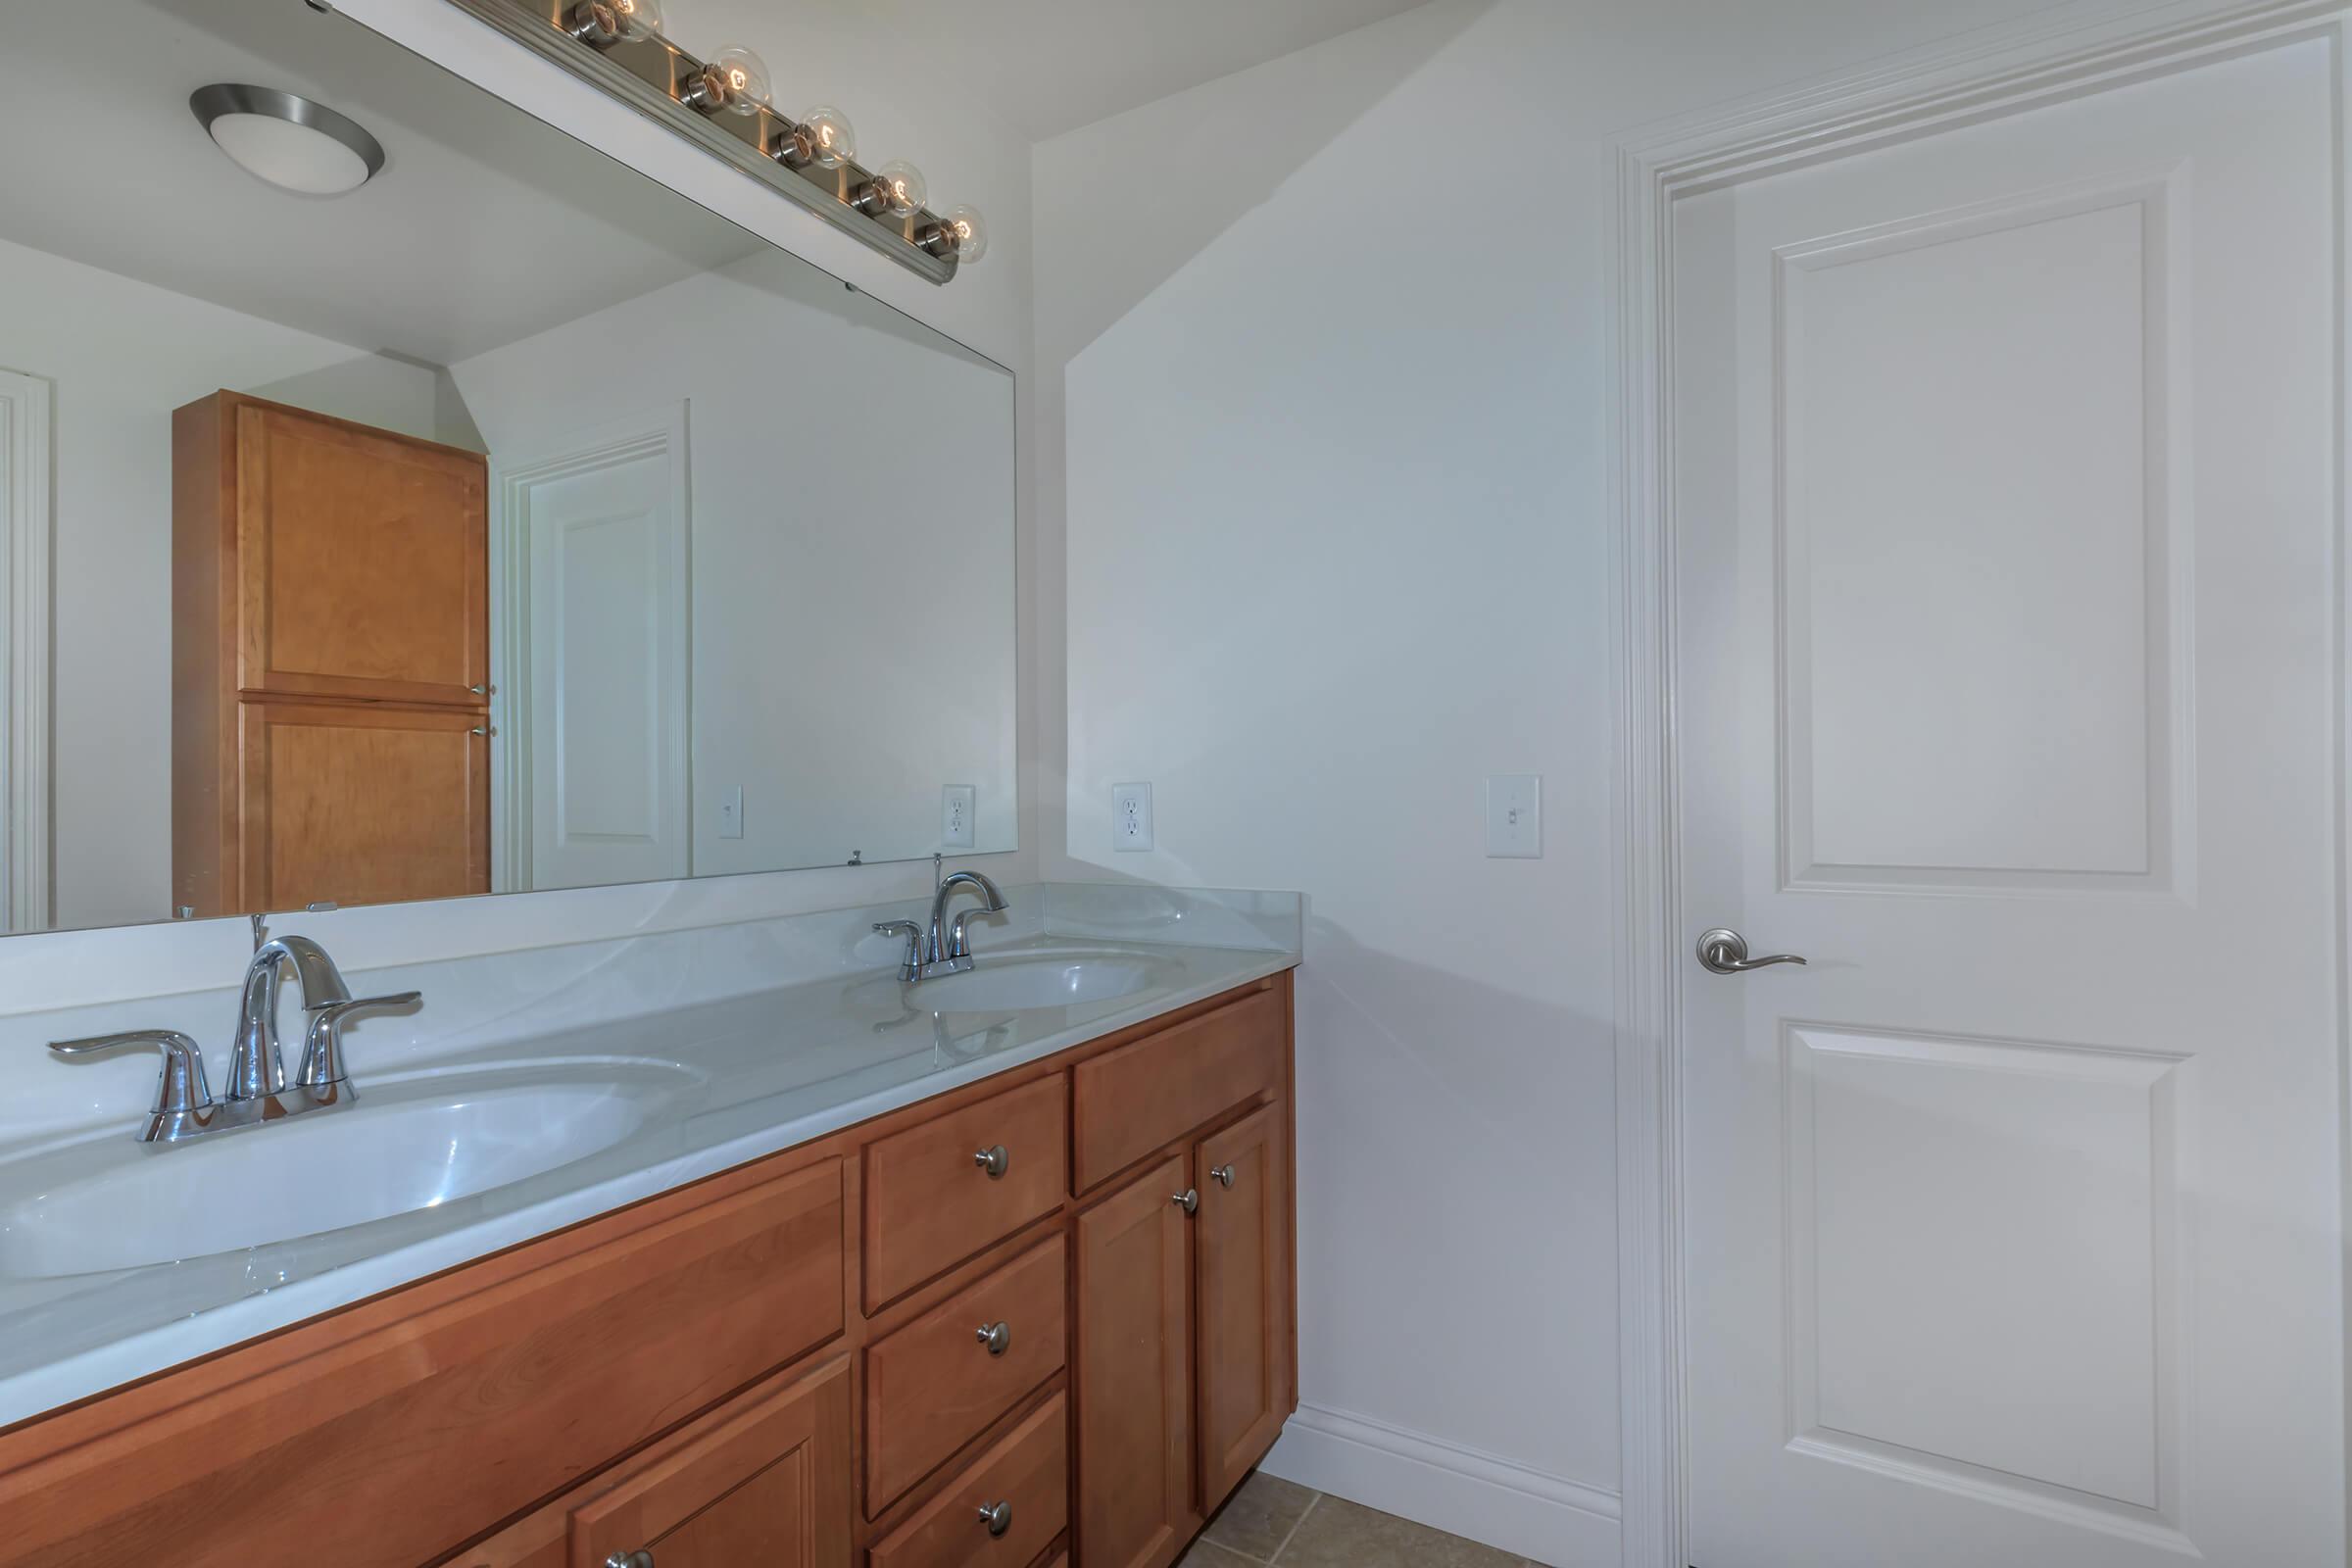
2007, 620
599, 705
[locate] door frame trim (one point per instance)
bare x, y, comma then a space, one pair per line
27, 525
1986, 74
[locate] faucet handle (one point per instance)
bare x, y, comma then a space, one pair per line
913, 967
322, 1065
184, 1097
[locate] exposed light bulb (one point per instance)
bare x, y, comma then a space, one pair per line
899, 189
832, 142
745, 77
969, 233
639, 19
595, 23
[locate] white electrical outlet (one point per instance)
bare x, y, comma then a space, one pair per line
730, 813
1515, 816
1130, 817
957, 803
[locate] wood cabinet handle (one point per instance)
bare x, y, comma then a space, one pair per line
994, 1159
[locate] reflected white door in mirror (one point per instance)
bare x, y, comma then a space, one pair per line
589, 683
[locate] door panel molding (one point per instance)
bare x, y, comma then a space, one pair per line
1984, 75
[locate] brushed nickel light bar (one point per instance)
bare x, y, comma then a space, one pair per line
722, 105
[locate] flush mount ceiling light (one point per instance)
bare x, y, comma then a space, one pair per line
291, 142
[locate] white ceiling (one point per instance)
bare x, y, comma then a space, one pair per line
484, 227
1044, 67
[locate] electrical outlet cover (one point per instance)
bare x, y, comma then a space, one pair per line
957, 803
1515, 816
1130, 817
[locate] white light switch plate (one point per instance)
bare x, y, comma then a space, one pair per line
955, 806
1130, 817
1515, 816
730, 813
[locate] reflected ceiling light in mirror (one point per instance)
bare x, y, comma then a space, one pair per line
736, 82
291, 142
897, 188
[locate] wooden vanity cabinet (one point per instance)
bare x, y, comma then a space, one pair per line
764, 1479
1135, 1373
869, 1351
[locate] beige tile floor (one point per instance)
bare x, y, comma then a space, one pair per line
1273, 1522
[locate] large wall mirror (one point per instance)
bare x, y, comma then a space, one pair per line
506, 521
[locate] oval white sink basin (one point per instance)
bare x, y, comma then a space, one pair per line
415, 1146
1019, 984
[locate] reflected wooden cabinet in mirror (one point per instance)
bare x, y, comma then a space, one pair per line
330, 733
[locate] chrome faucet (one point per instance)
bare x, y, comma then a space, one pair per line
257, 1068
945, 948
184, 1107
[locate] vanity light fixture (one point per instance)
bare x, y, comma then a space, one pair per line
724, 106
289, 142
897, 188
736, 82
602, 24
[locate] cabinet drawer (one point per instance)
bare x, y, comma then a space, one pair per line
439, 1411
1028, 1471
931, 1202
934, 1385
1144, 1097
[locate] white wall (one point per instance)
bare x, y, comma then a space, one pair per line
1323, 493
850, 484
121, 355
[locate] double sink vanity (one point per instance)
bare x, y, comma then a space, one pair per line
801, 1261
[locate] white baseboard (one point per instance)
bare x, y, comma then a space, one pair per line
1460, 1490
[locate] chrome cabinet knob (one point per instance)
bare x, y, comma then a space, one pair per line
1724, 951
1189, 1201
998, 1336
998, 1518
630, 1559
993, 1160
1223, 1175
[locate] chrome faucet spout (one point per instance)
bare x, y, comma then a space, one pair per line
255, 1065
948, 950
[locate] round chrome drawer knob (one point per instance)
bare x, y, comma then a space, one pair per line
998, 1518
998, 1336
994, 1160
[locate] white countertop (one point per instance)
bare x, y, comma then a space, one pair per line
732, 1079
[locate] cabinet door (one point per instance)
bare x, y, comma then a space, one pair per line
762, 1481
1135, 1376
361, 803
365, 562
1243, 1237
